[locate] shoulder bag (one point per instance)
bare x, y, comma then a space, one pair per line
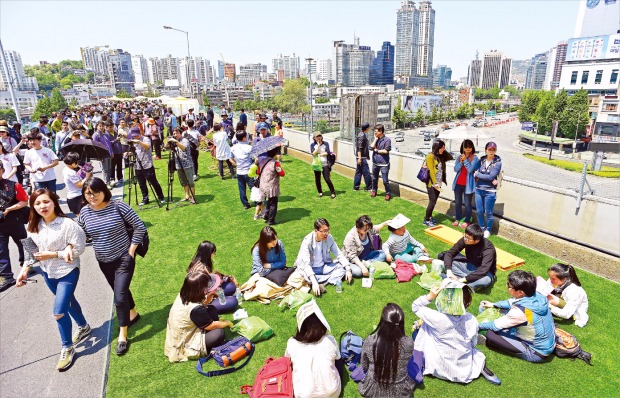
143, 247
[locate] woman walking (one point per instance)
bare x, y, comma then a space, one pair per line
320, 149
270, 173
464, 184
486, 187
436, 163
104, 221
60, 242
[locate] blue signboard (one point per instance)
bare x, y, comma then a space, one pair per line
527, 126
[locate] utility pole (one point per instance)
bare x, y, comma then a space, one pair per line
309, 60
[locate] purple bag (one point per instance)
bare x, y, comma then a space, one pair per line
358, 374
415, 367
226, 355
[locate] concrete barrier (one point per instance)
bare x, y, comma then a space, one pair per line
548, 209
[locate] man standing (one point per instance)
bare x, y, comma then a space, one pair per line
381, 148
190, 116
363, 154
315, 262
44, 129
194, 138
210, 116
243, 118
40, 162
61, 136
183, 164
240, 156
144, 167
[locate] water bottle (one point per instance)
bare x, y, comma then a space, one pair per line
371, 272
339, 287
220, 296
239, 296
481, 308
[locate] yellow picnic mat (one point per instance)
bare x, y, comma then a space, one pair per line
505, 260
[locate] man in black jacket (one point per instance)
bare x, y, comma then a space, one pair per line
362, 155
479, 270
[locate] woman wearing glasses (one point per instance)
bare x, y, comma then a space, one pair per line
486, 187
104, 221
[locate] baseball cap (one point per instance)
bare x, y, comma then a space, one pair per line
490, 144
317, 133
262, 125
151, 121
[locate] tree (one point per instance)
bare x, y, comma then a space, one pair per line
321, 100
419, 116
8, 114
529, 103
400, 116
123, 94
205, 100
73, 103
321, 125
545, 112
293, 96
575, 116
44, 107
434, 115
57, 101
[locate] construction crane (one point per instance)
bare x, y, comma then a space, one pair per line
225, 85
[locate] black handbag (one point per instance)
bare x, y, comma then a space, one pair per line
143, 247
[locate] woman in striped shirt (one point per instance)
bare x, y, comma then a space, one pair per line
104, 221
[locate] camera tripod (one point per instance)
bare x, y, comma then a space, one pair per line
182, 177
132, 180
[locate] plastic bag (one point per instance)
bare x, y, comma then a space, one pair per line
317, 165
450, 301
253, 329
489, 314
294, 300
253, 170
255, 195
383, 270
429, 279
437, 266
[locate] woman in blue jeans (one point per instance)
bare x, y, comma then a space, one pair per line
203, 262
60, 242
486, 187
464, 184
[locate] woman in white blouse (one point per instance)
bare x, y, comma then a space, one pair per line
60, 242
568, 299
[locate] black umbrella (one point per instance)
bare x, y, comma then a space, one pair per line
87, 148
266, 144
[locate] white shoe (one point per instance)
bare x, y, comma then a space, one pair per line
487, 234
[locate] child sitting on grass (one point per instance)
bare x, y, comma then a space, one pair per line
568, 299
401, 245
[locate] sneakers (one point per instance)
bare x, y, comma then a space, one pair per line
373, 194
429, 223
163, 200
487, 234
490, 376
388, 197
7, 283
144, 202
333, 196
66, 358
455, 223
81, 334
195, 178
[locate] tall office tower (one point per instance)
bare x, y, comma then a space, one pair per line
382, 66
407, 32
536, 72
504, 73
557, 58
95, 59
494, 70
597, 18
139, 64
287, 63
120, 70
250, 73
473, 75
324, 69
352, 63
220, 70
426, 39
16, 73
442, 75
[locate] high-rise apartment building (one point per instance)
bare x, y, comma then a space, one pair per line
250, 73
382, 66
536, 72
95, 59
426, 39
324, 69
139, 64
287, 63
442, 75
230, 72
407, 34
352, 63
556, 58
220, 70
121, 71
16, 75
492, 71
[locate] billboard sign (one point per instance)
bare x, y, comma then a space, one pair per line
411, 103
592, 48
527, 126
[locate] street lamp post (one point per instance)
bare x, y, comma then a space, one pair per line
309, 60
189, 79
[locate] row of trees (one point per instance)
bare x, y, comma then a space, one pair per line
493, 92
60, 75
53, 103
545, 107
292, 99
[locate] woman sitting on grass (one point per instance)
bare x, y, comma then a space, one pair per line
568, 299
313, 355
385, 354
203, 262
268, 255
193, 326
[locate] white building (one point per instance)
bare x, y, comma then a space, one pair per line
17, 76
492, 71
597, 18
251, 73
324, 69
139, 65
287, 63
95, 59
352, 63
26, 100
426, 39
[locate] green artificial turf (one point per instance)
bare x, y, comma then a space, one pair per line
220, 217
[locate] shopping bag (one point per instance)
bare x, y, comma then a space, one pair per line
253, 328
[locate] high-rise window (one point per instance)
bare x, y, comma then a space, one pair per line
584, 77
599, 77
614, 76
573, 77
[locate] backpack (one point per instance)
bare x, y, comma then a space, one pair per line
567, 346
351, 348
274, 379
226, 355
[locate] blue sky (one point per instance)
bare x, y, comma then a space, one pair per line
257, 31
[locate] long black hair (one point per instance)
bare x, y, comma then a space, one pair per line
386, 348
202, 258
564, 272
267, 235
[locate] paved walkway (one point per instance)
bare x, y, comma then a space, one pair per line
29, 339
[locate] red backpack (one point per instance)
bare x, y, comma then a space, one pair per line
274, 379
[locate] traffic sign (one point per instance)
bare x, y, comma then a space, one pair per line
527, 126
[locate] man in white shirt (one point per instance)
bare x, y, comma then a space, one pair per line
40, 162
222, 150
61, 136
240, 156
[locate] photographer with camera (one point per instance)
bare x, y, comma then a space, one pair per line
145, 171
181, 152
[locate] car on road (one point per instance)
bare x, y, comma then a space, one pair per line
400, 137
427, 136
495, 118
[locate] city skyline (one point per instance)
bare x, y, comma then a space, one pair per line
286, 29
